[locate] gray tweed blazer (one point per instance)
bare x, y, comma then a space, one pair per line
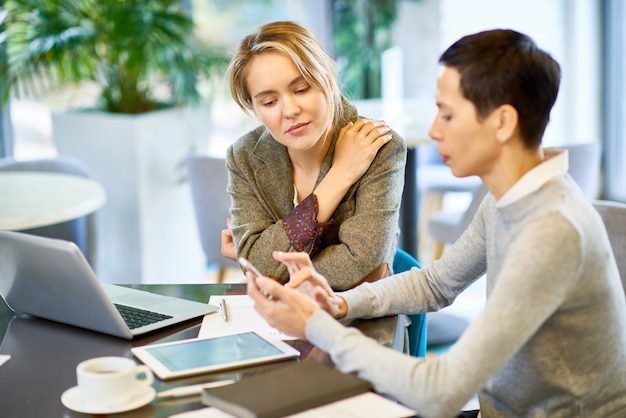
365, 231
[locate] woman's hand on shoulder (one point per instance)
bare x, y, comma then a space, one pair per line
357, 146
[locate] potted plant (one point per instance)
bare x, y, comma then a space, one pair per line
143, 55
148, 69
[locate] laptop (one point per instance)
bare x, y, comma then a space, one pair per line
51, 279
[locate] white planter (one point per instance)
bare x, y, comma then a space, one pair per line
146, 232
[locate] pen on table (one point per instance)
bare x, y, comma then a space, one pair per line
224, 309
192, 390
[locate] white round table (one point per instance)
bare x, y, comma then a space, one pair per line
30, 199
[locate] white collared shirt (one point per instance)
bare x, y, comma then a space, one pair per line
556, 163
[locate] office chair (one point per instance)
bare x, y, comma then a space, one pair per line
434, 328
584, 166
208, 179
417, 331
81, 231
614, 216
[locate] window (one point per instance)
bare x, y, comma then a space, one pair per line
614, 15
6, 136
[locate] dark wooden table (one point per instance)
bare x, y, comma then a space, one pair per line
44, 355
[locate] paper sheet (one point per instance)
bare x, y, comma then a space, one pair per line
204, 413
242, 317
4, 358
366, 405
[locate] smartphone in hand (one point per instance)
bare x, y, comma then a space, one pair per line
248, 266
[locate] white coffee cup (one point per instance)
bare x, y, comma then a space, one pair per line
112, 381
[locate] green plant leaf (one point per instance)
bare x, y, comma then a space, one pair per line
129, 48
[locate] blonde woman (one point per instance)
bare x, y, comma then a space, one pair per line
315, 176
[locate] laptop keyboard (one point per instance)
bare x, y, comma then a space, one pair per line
136, 317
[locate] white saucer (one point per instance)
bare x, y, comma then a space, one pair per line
71, 399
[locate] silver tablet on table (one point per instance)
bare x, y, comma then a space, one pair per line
206, 355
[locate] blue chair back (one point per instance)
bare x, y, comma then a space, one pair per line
417, 331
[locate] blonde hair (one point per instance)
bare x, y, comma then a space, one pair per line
302, 48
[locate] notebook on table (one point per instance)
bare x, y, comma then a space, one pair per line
284, 391
51, 279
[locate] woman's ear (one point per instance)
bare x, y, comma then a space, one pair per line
506, 122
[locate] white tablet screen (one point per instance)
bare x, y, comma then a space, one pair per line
200, 353
203, 355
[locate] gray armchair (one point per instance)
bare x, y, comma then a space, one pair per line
614, 216
81, 231
584, 166
208, 179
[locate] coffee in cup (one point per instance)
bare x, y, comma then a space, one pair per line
112, 381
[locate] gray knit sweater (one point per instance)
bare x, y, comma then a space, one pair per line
551, 340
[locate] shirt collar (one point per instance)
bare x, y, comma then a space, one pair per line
556, 162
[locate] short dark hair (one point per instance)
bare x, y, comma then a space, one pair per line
503, 66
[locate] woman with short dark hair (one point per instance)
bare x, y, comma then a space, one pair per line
551, 340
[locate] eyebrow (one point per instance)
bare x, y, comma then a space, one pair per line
442, 103
291, 84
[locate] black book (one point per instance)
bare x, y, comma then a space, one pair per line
287, 390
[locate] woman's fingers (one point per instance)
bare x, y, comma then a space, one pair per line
300, 258
372, 129
253, 289
304, 275
368, 135
268, 287
281, 307
294, 261
228, 245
